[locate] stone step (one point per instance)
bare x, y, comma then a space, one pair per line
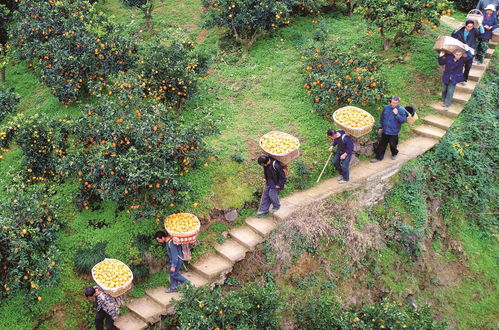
246, 237
262, 226
468, 88
430, 131
450, 21
440, 121
129, 322
475, 74
489, 53
195, 278
461, 97
231, 250
162, 298
454, 110
212, 266
482, 66
492, 45
146, 309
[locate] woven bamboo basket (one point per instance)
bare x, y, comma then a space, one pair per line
114, 292
354, 131
450, 45
412, 115
495, 35
476, 16
285, 158
185, 237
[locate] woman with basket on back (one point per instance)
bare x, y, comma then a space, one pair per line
489, 24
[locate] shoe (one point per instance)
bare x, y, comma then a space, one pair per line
341, 178
375, 160
273, 211
463, 83
479, 62
170, 290
446, 107
394, 157
342, 181
261, 212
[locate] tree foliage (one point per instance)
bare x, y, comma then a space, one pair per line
8, 102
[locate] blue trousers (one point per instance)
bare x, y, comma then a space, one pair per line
342, 166
270, 196
448, 93
175, 278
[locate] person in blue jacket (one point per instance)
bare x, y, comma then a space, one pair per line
175, 256
489, 24
275, 179
453, 74
392, 118
468, 35
343, 154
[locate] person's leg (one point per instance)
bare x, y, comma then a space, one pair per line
177, 277
444, 92
99, 319
336, 162
345, 167
380, 151
109, 322
481, 50
274, 198
450, 94
394, 140
467, 67
264, 207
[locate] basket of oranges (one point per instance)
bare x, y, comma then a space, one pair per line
355, 121
183, 227
113, 276
280, 146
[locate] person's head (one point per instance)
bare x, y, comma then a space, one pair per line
489, 10
161, 236
90, 292
469, 25
333, 134
263, 160
395, 101
458, 53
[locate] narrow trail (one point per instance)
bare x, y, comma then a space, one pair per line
213, 269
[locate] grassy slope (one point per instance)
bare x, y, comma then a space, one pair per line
254, 94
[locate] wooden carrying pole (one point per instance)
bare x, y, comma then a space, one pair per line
325, 165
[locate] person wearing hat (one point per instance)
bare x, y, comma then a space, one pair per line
468, 35
453, 74
105, 306
489, 24
343, 154
483, 4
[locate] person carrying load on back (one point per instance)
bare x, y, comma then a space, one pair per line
343, 154
275, 179
489, 24
468, 35
453, 74
176, 260
105, 306
483, 4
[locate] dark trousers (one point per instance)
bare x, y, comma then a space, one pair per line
393, 140
175, 278
467, 66
270, 196
342, 166
481, 49
99, 320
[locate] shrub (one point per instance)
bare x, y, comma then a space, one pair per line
28, 255
8, 102
169, 74
335, 79
246, 20
465, 5
86, 258
133, 152
134, 3
325, 313
251, 307
70, 46
397, 19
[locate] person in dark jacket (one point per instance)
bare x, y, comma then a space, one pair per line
343, 154
453, 74
175, 256
105, 306
275, 179
489, 24
468, 35
483, 4
392, 118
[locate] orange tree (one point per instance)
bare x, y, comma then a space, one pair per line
170, 73
28, 229
396, 19
246, 20
8, 102
133, 151
69, 45
335, 79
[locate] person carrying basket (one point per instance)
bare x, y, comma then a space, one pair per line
489, 24
175, 256
343, 154
275, 179
483, 4
105, 306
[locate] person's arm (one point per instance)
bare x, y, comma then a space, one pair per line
442, 58
401, 116
111, 306
349, 145
481, 30
381, 118
173, 254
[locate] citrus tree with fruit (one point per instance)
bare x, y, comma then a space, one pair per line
397, 19
8, 102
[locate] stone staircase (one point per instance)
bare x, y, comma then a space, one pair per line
213, 269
